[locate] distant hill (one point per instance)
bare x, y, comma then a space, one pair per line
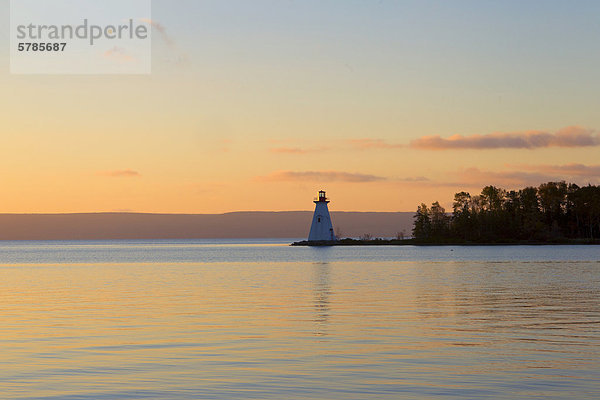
289, 224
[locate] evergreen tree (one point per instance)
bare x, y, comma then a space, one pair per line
555, 210
461, 216
422, 224
440, 221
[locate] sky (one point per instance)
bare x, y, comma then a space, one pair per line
257, 105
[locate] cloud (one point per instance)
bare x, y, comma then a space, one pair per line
475, 177
126, 173
160, 29
414, 179
568, 169
424, 182
118, 54
297, 150
531, 175
367, 144
572, 136
179, 56
329, 176
226, 145
288, 150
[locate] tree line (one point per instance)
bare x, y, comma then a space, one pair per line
554, 211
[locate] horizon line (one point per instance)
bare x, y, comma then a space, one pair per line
184, 213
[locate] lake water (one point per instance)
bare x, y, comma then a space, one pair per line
261, 320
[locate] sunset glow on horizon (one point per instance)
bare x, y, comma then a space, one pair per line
255, 106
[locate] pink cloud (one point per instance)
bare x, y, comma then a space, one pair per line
180, 57
477, 177
118, 54
297, 150
567, 137
127, 173
415, 179
532, 175
161, 30
327, 176
367, 144
567, 170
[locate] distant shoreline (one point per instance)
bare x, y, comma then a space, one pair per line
414, 242
245, 225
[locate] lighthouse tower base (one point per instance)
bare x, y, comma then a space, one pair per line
321, 229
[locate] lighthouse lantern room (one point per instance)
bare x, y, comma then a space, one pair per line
321, 229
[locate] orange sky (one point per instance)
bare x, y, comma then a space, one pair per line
260, 116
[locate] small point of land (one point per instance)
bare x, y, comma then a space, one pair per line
416, 242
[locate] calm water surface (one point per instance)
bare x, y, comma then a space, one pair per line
262, 320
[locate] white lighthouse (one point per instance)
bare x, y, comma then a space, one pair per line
321, 229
